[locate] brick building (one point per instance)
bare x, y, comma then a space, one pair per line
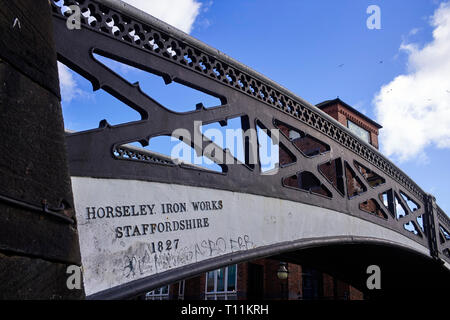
258, 279
355, 121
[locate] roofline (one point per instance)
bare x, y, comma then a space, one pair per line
338, 100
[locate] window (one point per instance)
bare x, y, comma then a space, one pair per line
158, 294
360, 132
181, 290
221, 284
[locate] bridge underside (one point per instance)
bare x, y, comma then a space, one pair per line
404, 273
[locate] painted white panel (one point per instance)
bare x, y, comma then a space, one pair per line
134, 233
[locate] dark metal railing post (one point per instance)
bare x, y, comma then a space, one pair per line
431, 225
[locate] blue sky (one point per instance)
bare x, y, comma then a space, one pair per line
320, 49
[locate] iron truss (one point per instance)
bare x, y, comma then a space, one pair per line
325, 164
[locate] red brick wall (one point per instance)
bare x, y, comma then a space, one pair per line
295, 281
342, 290
274, 288
242, 281
341, 114
328, 286
194, 288
329, 171
356, 294
173, 291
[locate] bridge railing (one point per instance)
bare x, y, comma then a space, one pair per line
345, 174
444, 234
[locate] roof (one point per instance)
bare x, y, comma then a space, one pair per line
327, 103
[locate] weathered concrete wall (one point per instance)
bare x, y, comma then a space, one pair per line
35, 247
127, 233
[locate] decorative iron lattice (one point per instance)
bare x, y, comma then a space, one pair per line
326, 165
443, 218
444, 233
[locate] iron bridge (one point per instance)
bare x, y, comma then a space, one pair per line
343, 201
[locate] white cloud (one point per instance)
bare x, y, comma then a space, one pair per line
414, 31
179, 13
68, 86
414, 108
